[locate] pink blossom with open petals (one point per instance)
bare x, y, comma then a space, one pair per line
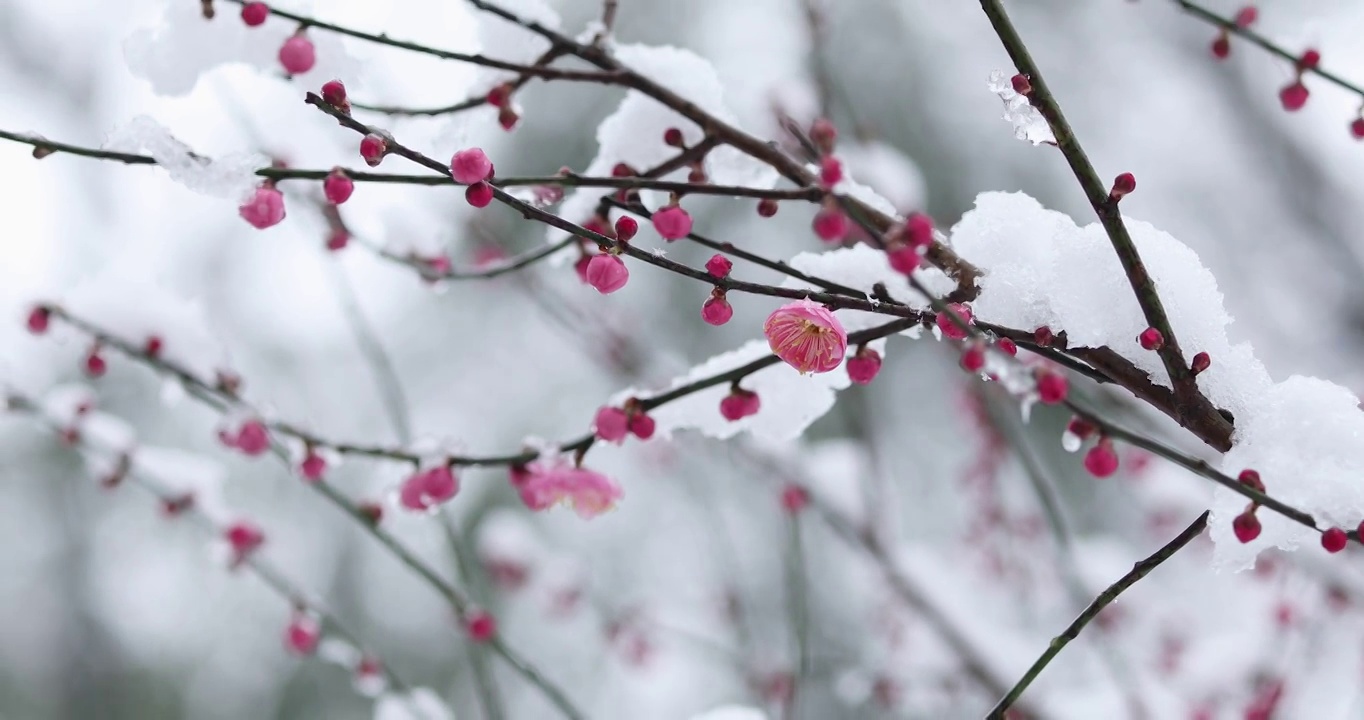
590, 493
807, 336
428, 488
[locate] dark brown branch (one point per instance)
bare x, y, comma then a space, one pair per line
1106, 598
1193, 408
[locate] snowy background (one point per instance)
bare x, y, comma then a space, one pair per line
685, 597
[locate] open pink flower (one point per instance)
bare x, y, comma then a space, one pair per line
806, 336
428, 488
590, 493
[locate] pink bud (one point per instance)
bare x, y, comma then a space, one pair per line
767, 207
823, 135
1246, 526
338, 186
719, 266
338, 239
1251, 479
302, 634
243, 538
611, 424
949, 327
672, 223
264, 209
1021, 84
1294, 96
1357, 128
673, 137
508, 118
830, 171
95, 366
904, 259
252, 438
1201, 362
739, 404
480, 194
39, 318
1221, 46
1246, 16
1101, 461
1334, 540
642, 426
255, 13
581, 267
499, 95
313, 466
716, 310
470, 166
919, 230
830, 224
297, 54
373, 147
1309, 61
794, 498
1052, 386
480, 625
1008, 346
334, 94
626, 227
1122, 186
864, 366
1151, 339
607, 273
425, 489
973, 358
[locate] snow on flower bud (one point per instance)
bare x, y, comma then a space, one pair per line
806, 336
607, 273
830, 171
672, 222
830, 224
719, 266
626, 227
716, 310
297, 54
302, 634
1052, 386
1101, 461
39, 318
480, 625
611, 424
864, 366
1246, 526
1151, 339
338, 186
265, 207
1334, 540
479, 195
949, 326
243, 538
373, 147
1077, 430
739, 404
470, 166
255, 13
425, 489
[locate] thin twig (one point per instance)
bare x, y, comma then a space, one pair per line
1139, 571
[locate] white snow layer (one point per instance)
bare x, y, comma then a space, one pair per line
1303, 434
